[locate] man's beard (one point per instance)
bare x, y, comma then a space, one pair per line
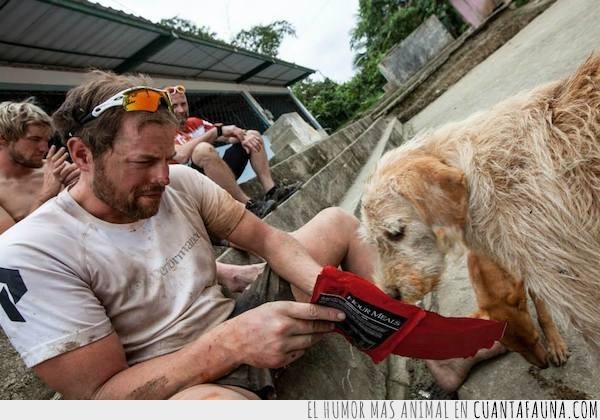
182, 119
129, 205
25, 161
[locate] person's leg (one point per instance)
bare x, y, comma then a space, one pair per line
260, 164
331, 237
237, 277
206, 157
237, 159
214, 392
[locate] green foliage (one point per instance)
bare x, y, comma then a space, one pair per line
188, 27
264, 39
381, 24
329, 102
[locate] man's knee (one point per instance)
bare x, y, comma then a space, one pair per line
214, 392
338, 217
334, 223
204, 153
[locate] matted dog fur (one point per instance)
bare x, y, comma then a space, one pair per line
518, 184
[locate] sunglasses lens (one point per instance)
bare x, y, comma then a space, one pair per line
142, 100
147, 100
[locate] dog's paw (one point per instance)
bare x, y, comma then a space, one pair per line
558, 351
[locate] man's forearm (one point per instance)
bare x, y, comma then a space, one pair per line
282, 251
291, 261
183, 152
207, 358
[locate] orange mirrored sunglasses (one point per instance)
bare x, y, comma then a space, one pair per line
139, 98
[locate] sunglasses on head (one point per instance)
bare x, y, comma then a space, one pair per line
175, 89
139, 98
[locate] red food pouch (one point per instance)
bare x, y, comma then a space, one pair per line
380, 325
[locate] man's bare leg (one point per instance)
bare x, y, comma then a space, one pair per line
331, 237
450, 374
214, 392
206, 157
260, 164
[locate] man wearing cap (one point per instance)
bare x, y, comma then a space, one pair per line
111, 286
27, 180
194, 144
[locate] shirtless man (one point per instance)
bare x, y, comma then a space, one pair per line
26, 180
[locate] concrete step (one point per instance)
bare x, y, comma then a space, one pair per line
303, 165
328, 186
320, 191
391, 138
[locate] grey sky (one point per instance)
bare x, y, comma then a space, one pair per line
322, 26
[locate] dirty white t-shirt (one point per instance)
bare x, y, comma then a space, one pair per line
68, 279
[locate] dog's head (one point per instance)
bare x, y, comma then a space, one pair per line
413, 208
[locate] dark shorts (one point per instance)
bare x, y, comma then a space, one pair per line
235, 157
267, 288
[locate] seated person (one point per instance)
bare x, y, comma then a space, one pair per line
115, 291
194, 145
27, 180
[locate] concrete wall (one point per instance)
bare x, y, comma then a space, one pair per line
291, 130
408, 56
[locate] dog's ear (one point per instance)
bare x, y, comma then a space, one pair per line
437, 191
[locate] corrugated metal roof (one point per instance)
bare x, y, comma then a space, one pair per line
77, 34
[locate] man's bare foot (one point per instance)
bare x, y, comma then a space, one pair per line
450, 374
237, 277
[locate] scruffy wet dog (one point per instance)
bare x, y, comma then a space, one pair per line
519, 187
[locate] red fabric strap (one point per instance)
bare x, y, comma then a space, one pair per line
380, 325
